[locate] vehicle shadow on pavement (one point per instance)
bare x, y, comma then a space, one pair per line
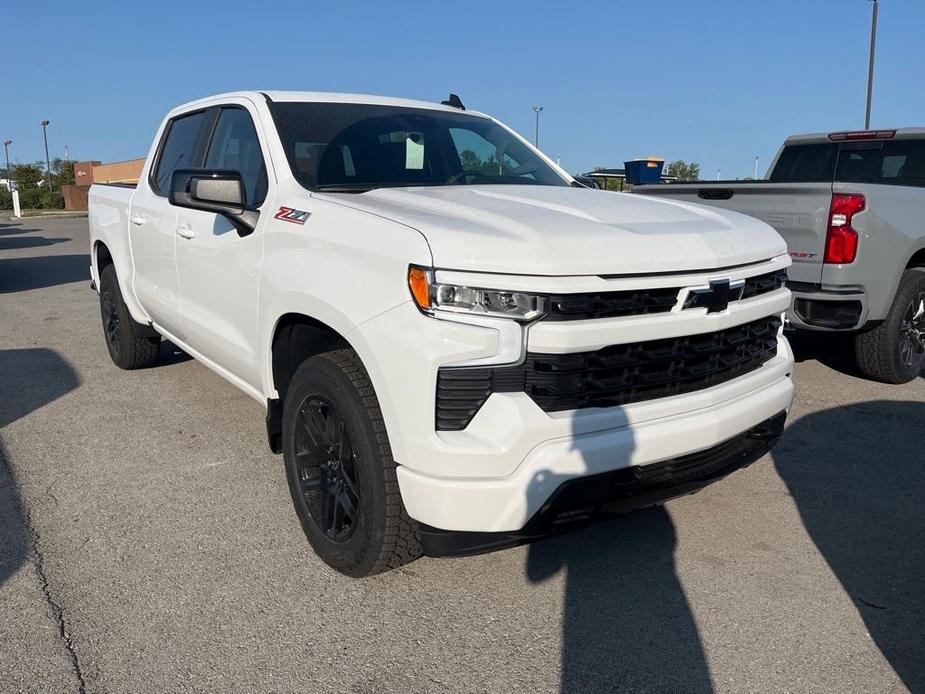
171, 354
12, 243
857, 477
626, 623
23, 274
835, 350
29, 379
9, 227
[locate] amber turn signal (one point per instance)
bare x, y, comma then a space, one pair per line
419, 283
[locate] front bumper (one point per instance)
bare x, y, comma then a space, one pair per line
507, 504
584, 500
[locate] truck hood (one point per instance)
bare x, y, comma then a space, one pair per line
546, 230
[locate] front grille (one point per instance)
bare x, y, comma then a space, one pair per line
591, 305
615, 375
611, 304
762, 284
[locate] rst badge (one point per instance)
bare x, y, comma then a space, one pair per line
290, 214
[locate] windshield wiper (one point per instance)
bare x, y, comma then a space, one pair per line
344, 188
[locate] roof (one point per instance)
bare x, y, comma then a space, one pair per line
331, 97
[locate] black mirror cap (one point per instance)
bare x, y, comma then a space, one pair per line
213, 190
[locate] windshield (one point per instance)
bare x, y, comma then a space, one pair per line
357, 147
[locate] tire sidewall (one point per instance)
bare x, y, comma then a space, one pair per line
322, 377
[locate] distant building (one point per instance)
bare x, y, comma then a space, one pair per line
87, 173
128, 171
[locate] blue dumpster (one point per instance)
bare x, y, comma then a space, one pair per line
642, 171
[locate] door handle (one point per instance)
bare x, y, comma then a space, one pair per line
138, 221
186, 231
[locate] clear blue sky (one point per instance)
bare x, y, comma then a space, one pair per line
715, 82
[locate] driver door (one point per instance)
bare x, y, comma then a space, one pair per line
219, 270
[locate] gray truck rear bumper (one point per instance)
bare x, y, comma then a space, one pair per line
815, 307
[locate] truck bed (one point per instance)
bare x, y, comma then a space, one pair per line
798, 211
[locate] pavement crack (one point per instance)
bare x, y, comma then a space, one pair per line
57, 612
870, 604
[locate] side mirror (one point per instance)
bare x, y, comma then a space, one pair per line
214, 190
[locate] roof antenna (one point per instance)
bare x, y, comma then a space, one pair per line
454, 102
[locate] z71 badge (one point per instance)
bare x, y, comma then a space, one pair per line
289, 214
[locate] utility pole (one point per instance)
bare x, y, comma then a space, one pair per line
756, 168
870, 64
45, 124
536, 132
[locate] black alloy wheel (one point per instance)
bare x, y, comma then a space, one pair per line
326, 465
339, 466
912, 332
112, 324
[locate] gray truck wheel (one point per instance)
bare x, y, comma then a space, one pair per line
340, 468
894, 351
130, 344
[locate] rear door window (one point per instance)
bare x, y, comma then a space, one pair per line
179, 150
806, 164
903, 163
859, 162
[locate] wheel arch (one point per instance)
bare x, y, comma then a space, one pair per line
918, 259
297, 335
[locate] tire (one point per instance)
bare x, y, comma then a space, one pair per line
340, 469
130, 343
894, 351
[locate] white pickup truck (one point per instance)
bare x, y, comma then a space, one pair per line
459, 348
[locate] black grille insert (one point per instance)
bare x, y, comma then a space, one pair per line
591, 305
611, 304
615, 375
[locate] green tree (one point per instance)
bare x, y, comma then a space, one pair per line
27, 176
684, 171
63, 170
470, 161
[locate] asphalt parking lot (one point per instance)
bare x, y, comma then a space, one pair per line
147, 544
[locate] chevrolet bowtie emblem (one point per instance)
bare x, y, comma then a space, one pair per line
717, 296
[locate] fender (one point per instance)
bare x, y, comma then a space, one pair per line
323, 312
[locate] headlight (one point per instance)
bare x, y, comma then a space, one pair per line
431, 296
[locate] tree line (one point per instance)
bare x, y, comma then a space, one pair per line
31, 183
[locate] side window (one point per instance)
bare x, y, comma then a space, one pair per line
859, 162
806, 164
904, 163
235, 146
178, 149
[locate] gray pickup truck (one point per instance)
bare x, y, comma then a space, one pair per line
851, 206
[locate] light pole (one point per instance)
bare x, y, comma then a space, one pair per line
870, 64
45, 124
9, 171
536, 132
756, 168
